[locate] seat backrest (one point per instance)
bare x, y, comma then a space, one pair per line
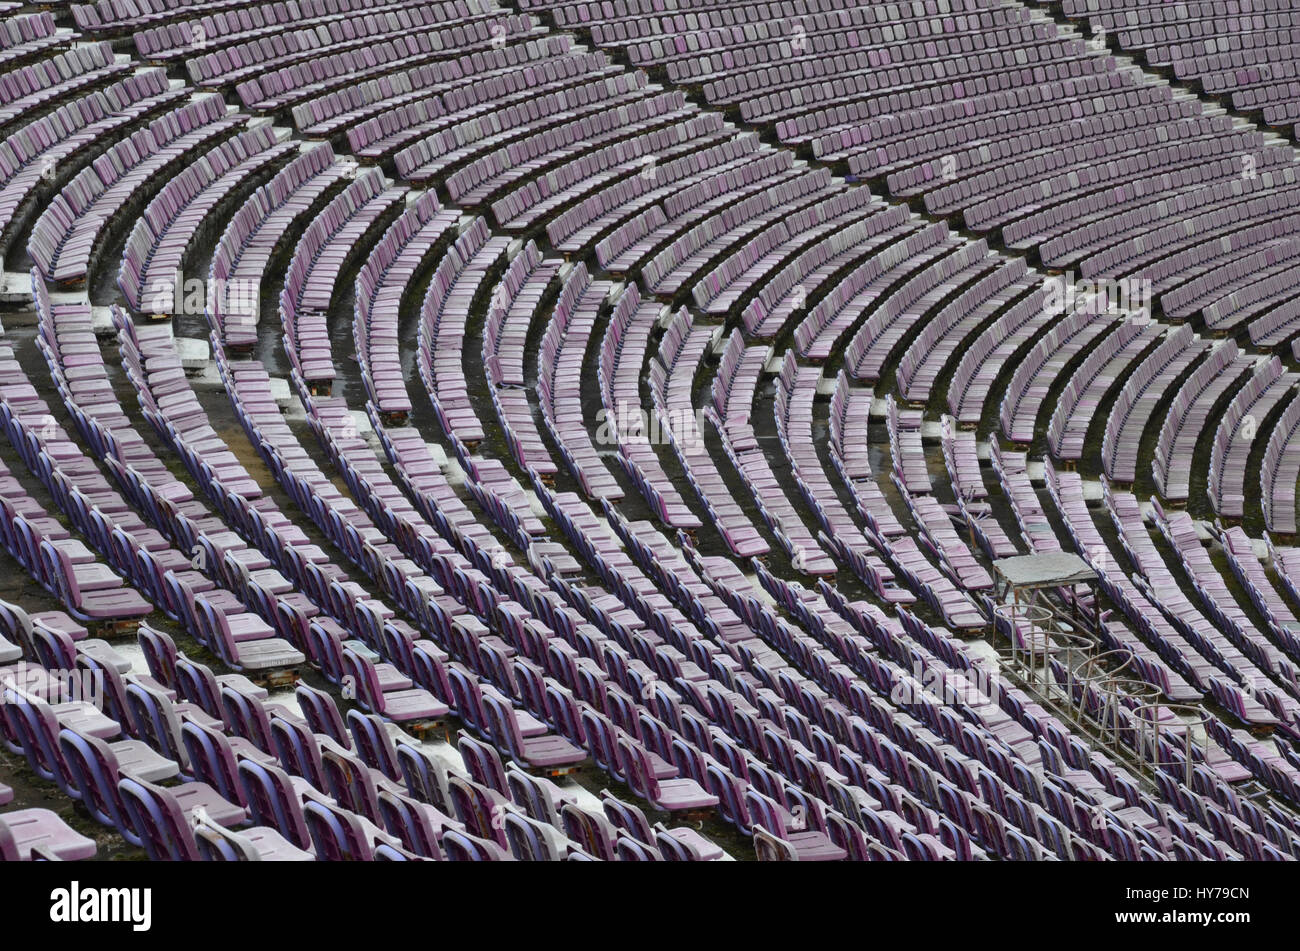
93, 769
468, 697
528, 839
482, 762
404, 818
59, 567
848, 836
600, 738
635, 764
769, 848
181, 596
373, 743
297, 749
365, 679
538, 797
765, 813
322, 713
336, 833
36, 726
629, 849
215, 843
158, 820
626, 816
273, 801
246, 716
107, 680
15, 624
212, 760
196, 683
350, 782
564, 713
729, 789
672, 848
431, 672
156, 722
425, 775
325, 640
55, 650
221, 642
594, 833
475, 808
463, 847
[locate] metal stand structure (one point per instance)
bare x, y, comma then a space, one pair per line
1036, 636
1063, 664
1047, 649
1152, 734
1107, 697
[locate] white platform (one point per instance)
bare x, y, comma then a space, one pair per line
15, 287
280, 391
193, 352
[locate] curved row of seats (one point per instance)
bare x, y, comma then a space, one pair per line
1029, 130
1235, 54
503, 575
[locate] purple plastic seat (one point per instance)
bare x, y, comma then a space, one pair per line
216, 843
670, 795
101, 604
463, 847
546, 752
23, 830
806, 844
339, 835
401, 705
